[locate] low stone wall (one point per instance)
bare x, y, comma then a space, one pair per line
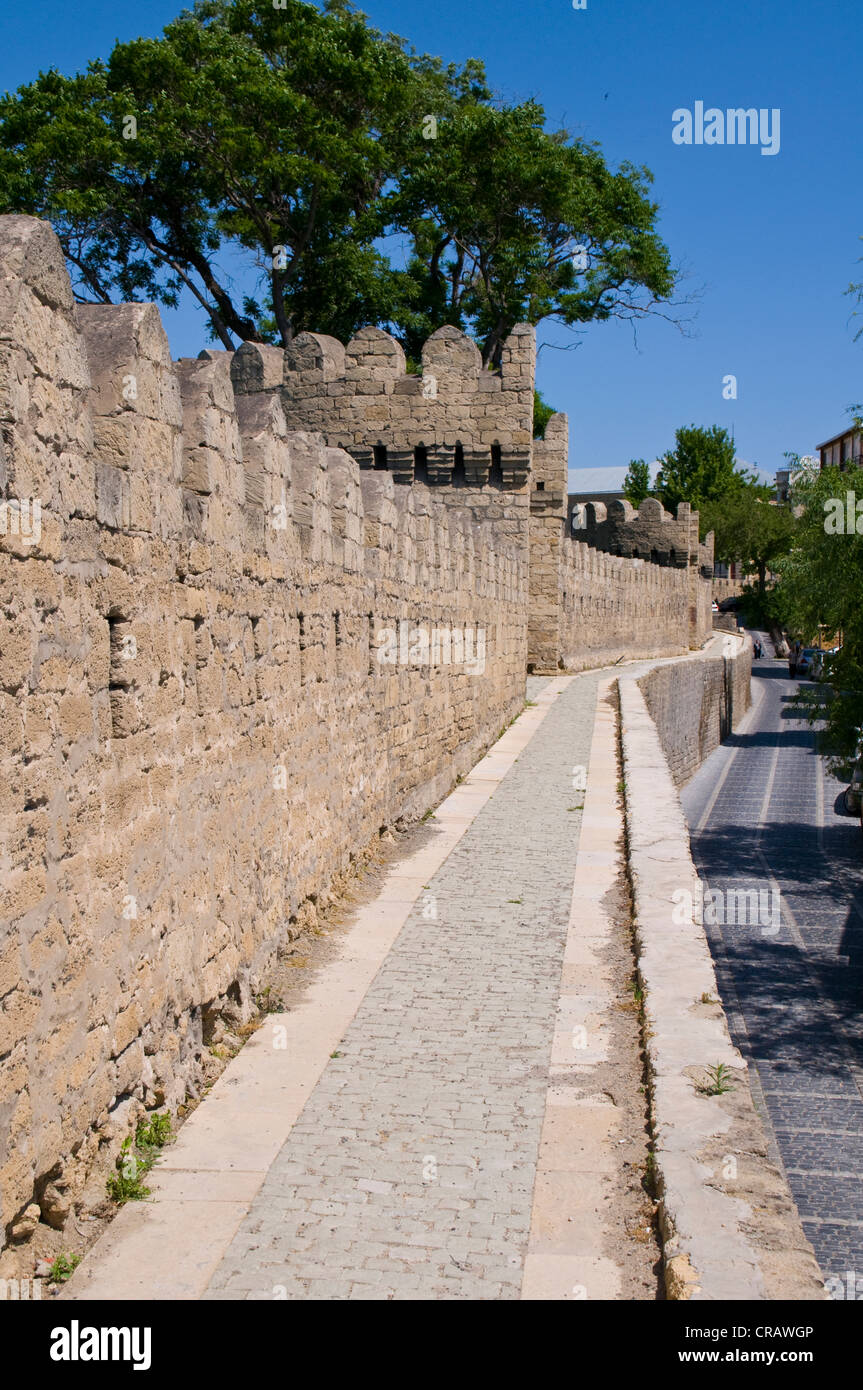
695, 704
729, 1225
724, 622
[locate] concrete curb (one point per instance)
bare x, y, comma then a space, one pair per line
729, 1224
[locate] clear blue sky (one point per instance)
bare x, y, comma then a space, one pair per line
772, 242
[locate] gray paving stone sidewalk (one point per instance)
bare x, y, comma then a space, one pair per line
410, 1171
793, 994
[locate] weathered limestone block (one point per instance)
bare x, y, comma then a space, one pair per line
212, 454
346, 509
452, 359
44, 376
311, 498
257, 367
314, 358
268, 488
113, 497
381, 521
372, 359
130, 362
137, 417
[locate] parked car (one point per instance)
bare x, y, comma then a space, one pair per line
809, 659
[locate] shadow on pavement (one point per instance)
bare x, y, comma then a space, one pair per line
797, 1003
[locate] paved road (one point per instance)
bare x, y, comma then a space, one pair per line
410, 1171
765, 816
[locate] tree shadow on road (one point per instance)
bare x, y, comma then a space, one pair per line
801, 1005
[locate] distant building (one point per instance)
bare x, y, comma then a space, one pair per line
844, 450
787, 478
728, 569
602, 484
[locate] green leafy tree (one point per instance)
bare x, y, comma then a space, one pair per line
822, 579
700, 468
294, 144
510, 224
272, 132
749, 528
542, 413
636, 484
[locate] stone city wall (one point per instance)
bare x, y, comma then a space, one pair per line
648, 533
467, 432
612, 607
197, 733
652, 534
234, 646
727, 588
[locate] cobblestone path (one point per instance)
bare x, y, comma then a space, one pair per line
764, 815
410, 1171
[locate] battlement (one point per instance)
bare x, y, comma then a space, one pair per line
649, 533
102, 427
549, 471
455, 424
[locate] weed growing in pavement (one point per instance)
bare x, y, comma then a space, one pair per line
720, 1081
63, 1268
137, 1157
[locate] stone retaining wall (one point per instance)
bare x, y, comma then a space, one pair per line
695, 704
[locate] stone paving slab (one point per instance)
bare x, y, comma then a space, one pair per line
578, 1168
440, 1102
410, 1172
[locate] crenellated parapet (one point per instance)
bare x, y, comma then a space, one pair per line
550, 468
648, 533
455, 424
706, 557
651, 534
102, 428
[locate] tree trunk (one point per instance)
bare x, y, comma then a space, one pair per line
283, 322
492, 348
